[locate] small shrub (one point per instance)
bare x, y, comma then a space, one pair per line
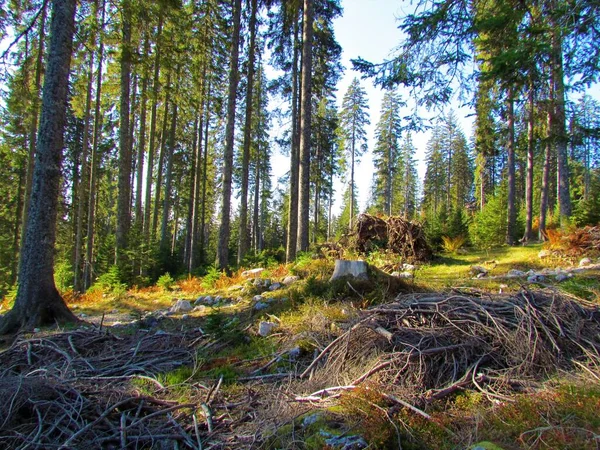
165, 282
210, 279
63, 275
453, 244
110, 282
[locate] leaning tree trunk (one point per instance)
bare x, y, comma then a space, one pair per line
225, 227
38, 301
305, 122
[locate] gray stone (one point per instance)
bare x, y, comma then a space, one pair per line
408, 267
260, 305
257, 298
347, 442
199, 301
290, 279
585, 262
562, 276
311, 419
265, 328
218, 299
275, 286
208, 300
160, 332
294, 352
482, 275
515, 273
199, 308
536, 278
185, 316
181, 306
36, 330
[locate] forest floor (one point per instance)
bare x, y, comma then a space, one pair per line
441, 359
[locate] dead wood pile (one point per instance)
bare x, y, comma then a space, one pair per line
583, 241
73, 390
395, 234
430, 345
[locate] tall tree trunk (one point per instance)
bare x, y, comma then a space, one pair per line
225, 228
161, 160
142, 144
256, 213
82, 200
292, 229
88, 267
152, 138
38, 301
559, 133
528, 236
33, 129
352, 180
192, 219
201, 249
512, 210
125, 157
305, 123
545, 179
164, 232
244, 237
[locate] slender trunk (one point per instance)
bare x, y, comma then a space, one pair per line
545, 180
528, 236
161, 161
244, 238
192, 224
88, 267
139, 188
256, 213
352, 181
35, 111
330, 206
512, 211
559, 135
152, 138
14, 266
201, 249
305, 123
125, 158
292, 229
168, 181
82, 200
224, 231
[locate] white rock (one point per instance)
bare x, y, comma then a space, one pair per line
160, 332
482, 275
404, 275
252, 272
515, 273
181, 306
536, 278
585, 262
185, 316
275, 286
289, 280
199, 308
265, 328
544, 254
257, 298
408, 267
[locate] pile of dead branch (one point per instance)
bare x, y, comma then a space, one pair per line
394, 234
427, 346
74, 390
582, 241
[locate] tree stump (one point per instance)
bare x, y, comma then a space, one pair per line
343, 268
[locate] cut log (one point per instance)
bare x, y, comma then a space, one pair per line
343, 268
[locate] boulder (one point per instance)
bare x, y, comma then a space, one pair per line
290, 279
478, 270
181, 306
515, 273
260, 305
257, 298
265, 328
355, 269
275, 286
199, 301
536, 278
252, 272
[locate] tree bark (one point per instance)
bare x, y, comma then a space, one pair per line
292, 229
528, 236
244, 236
512, 211
201, 249
545, 180
38, 301
164, 232
305, 124
225, 228
125, 157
